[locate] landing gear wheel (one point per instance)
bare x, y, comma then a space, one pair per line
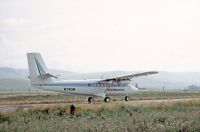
107, 99
90, 99
127, 98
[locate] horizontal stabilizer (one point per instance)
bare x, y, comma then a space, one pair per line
46, 75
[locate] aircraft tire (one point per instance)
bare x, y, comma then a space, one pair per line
90, 99
127, 98
107, 99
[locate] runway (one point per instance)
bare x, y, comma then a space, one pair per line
15, 107
97, 104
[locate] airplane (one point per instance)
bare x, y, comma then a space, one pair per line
40, 78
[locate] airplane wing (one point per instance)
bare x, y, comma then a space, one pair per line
129, 77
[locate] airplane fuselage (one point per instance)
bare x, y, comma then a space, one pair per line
88, 87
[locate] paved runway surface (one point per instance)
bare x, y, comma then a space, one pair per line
15, 107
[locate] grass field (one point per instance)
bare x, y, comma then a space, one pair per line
180, 116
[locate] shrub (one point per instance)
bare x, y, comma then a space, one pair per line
4, 118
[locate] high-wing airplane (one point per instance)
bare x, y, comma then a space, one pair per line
42, 79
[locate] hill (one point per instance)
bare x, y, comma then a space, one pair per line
17, 78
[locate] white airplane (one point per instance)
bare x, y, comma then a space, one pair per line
42, 79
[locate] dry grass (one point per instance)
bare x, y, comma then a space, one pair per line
7, 112
178, 115
54, 105
117, 105
146, 112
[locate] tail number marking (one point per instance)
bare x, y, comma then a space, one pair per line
69, 89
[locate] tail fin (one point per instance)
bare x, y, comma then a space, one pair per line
38, 70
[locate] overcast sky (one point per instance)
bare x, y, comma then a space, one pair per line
102, 35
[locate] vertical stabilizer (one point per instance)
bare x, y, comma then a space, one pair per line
38, 70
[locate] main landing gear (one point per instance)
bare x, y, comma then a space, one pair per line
127, 98
90, 100
107, 99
